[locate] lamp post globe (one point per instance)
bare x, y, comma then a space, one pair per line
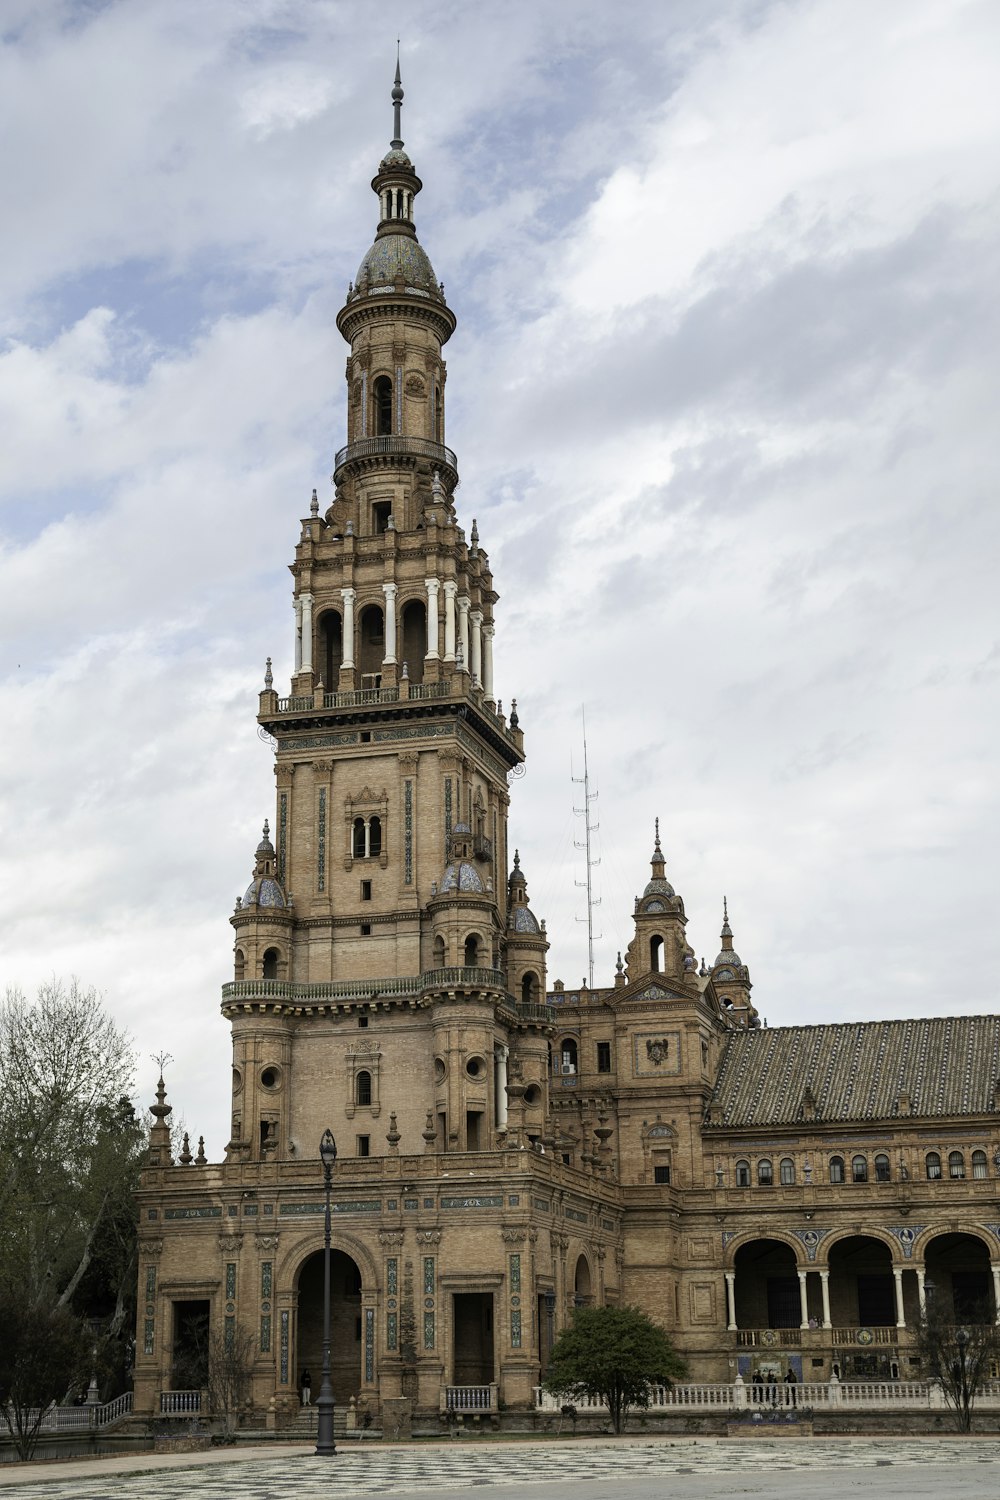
325, 1445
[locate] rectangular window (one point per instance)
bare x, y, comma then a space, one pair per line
366, 890
363, 1022
364, 1145
661, 1174
381, 511
366, 929
604, 1057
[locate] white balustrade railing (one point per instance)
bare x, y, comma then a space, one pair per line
740, 1395
180, 1403
79, 1418
468, 1398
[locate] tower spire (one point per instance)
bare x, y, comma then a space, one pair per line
397, 104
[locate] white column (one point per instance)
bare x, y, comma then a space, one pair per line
306, 601
488, 661
731, 1299
476, 661
803, 1300
897, 1276
389, 590
501, 1087
921, 1291
450, 590
824, 1281
297, 606
463, 628
347, 595
432, 586
996, 1289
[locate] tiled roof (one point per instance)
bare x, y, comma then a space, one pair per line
947, 1066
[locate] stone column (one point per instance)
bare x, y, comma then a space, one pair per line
463, 629
476, 659
450, 590
488, 661
824, 1281
389, 590
996, 1289
432, 586
500, 1075
348, 596
803, 1300
897, 1276
297, 606
731, 1299
921, 1289
306, 600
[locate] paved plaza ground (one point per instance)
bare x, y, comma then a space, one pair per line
586, 1469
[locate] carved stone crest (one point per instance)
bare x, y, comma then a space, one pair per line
230, 1244
657, 1050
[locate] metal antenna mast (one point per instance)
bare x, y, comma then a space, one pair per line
589, 830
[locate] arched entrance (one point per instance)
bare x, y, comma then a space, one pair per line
582, 1290
863, 1308
767, 1286
346, 1347
959, 1279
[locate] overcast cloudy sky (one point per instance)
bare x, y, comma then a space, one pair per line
724, 396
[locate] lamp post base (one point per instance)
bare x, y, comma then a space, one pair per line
325, 1445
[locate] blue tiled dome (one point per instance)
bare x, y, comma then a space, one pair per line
395, 158
462, 877
264, 892
658, 887
523, 919
397, 254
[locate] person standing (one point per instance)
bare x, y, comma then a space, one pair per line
306, 1388
791, 1381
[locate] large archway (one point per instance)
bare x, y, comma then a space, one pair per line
862, 1293
767, 1285
958, 1277
346, 1347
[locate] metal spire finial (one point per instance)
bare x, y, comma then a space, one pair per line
397, 104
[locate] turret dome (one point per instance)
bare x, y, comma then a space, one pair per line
395, 255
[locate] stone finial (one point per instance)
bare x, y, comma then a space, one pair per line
201, 1160
392, 1135
429, 1133
185, 1157
314, 504
514, 720
268, 676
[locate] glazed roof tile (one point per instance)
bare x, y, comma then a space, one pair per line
857, 1071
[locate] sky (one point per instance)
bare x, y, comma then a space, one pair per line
723, 396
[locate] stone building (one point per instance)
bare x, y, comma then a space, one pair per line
507, 1150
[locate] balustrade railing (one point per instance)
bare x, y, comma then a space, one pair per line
469, 1398
474, 976
81, 1418
395, 445
740, 1396
180, 1403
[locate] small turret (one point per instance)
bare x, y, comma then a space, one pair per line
731, 978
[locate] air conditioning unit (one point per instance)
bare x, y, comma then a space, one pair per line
569, 1067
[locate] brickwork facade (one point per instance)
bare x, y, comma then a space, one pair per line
777, 1199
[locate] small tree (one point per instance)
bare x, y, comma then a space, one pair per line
614, 1355
959, 1355
230, 1374
44, 1352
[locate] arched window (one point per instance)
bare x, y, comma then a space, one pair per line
529, 988
363, 1088
882, 1170
787, 1171
956, 1165
413, 619
331, 648
656, 955
836, 1169
979, 1164
371, 645
271, 964
933, 1164
859, 1168
374, 835
567, 1055
742, 1174
439, 952
382, 392
358, 841
471, 951
241, 968
765, 1173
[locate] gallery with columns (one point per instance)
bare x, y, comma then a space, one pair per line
510, 1148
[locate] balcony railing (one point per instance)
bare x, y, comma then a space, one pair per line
180, 1403
740, 1396
396, 445
469, 1398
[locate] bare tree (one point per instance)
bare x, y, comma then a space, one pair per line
44, 1352
231, 1356
959, 1355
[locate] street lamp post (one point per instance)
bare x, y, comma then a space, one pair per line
324, 1406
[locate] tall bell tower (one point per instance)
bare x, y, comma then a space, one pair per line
383, 883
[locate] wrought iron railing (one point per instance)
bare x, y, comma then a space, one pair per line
395, 445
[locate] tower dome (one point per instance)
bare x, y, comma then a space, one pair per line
265, 889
